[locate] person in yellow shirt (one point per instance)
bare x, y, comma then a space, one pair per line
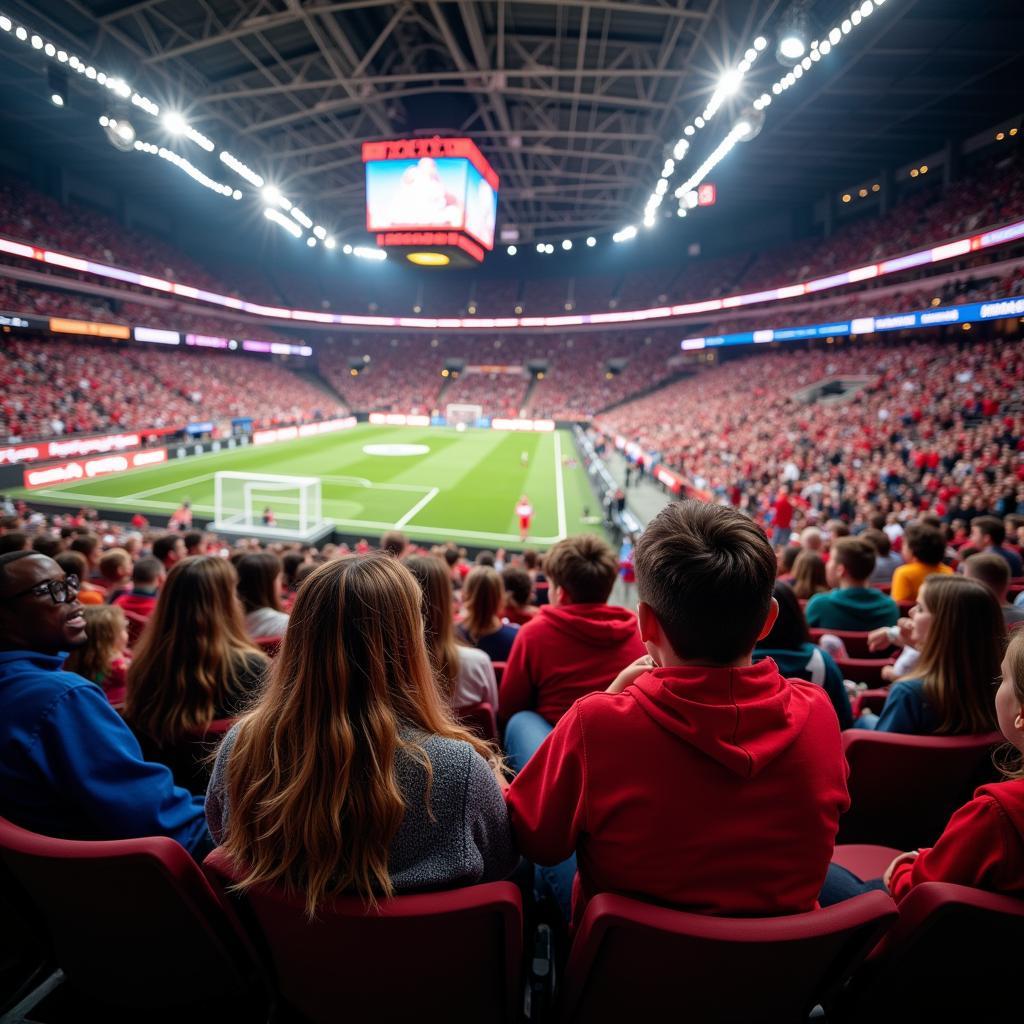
927, 547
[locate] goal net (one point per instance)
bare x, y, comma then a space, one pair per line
266, 503
463, 412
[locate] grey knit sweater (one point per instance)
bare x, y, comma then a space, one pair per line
468, 841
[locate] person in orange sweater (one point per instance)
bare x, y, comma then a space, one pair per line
699, 779
927, 548
983, 844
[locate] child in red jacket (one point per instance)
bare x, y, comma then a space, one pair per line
983, 844
698, 779
577, 644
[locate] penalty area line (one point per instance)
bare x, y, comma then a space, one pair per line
418, 507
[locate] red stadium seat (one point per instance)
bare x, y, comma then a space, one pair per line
136, 624
855, 641
499, 669
864, 670
954, 954
480, 719
633, 961
133, 923
905, 607
270, 645
870, 700
446, 956
190, 761
903, 789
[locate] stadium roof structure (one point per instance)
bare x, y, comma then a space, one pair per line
576, 103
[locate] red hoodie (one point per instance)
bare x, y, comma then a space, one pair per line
717, 790
563, 654
982, 846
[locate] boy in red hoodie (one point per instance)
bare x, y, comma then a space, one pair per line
698, 779
576, 645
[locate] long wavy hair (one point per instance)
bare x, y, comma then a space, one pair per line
312, 783
258, 573
187, 662
438, 621
483, 596
104, 626
961, 653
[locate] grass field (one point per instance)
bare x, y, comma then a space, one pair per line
463, 488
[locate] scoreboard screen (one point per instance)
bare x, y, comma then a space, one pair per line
421, 185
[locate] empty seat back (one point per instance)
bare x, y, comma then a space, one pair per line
903, 789
634, 961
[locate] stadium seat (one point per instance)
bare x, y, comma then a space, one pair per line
190, 761
870, 700
954, 954
136, 624
499, 670
479, 718
133, 923
855, 641
903, 789
635, 961
270, 645
863, 670
451, 956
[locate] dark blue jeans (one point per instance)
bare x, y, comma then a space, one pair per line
525, 732
842, 884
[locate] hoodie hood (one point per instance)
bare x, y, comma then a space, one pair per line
601, 625
1010, 797
744, 718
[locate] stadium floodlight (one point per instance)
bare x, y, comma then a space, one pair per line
730, 82
511, 250
626, 234
293, 229
21, 32
567, 244
794, 34
541, 247
175, 123
591, 242
241, 169
37, 42
365, 252
57, 99
311, 241
320, 232
330, 243
302, 218
57, 79
792, 47
347, 249
760, 43
5, 23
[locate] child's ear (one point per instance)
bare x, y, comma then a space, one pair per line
650, 628
773, 614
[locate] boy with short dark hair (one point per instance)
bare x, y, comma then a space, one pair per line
577, 644
698, 779
851, 604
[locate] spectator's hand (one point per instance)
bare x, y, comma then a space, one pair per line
903, 858
904, 626
631, 673
879, 639
889, 674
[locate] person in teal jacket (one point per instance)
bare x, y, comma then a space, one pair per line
69, 766
851, 604
789, 646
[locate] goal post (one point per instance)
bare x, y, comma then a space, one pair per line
267, 503
463, 412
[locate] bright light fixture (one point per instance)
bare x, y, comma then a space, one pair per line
511, 250
792, 47
429, 259
567, 244
591, 242
175, 123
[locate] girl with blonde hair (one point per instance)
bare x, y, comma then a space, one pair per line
350, 775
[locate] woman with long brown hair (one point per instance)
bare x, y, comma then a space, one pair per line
809, 576
465, 674
957, 625
350, 775
260, 579
194, 662
483, 598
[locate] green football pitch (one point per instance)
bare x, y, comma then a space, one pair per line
449, 485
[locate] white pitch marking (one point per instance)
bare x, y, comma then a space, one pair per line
559, 486
419, 506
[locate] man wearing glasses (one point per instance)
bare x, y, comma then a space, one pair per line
69, 766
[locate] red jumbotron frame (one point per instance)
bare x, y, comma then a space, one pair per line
455, 242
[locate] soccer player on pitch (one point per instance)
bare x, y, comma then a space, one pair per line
524, 510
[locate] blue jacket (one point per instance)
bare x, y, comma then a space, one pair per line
906, 710
70, 767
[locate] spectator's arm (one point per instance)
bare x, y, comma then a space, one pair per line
547, 799
901, 711
90, 756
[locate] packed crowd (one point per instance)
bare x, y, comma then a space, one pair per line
936, 426
52, 388
553, 727
991, 193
